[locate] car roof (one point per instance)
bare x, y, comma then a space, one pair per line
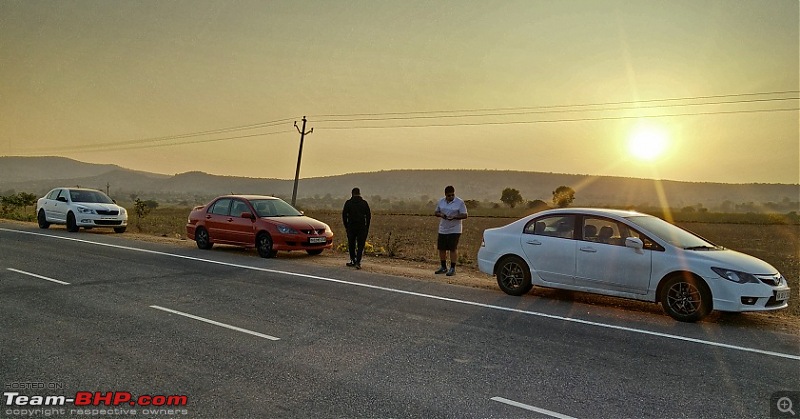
248, 197
71, 188
593, 211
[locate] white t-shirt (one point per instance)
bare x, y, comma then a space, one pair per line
450, 209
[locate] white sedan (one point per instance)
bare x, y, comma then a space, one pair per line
631, 255
80, 207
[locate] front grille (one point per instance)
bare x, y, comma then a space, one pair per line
773, 280
107, 222
108, 212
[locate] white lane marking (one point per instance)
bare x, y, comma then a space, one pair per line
215, 323
531, 408
38, 276
434, 297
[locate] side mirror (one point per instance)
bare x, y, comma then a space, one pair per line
61, 199
634, 242
248, 214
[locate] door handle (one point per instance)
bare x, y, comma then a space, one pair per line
588, 249
208, 217
230, 219
534, 242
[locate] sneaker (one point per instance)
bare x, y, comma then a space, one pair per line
351, 264
358, 266
441, 270
451, 272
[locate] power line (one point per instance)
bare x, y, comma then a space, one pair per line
565, 119
114, 147
174, 137
563, 106
447, 114
530, 112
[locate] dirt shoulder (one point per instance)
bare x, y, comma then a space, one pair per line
471, 277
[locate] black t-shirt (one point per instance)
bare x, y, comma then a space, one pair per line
356, 214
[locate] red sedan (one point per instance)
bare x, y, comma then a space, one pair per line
267, 223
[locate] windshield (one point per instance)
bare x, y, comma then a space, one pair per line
273, 208
94, 197
672, 234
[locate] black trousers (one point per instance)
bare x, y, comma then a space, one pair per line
356, 239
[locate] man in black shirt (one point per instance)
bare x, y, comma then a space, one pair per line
356, 217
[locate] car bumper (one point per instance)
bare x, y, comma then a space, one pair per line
746, 297
486, 261
288, 243
88, 220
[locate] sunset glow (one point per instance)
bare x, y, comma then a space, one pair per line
604, 88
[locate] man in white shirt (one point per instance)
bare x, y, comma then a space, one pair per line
451, 209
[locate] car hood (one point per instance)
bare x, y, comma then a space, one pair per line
300, 222
96, 206
731, 259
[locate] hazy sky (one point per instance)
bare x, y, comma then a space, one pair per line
406, 84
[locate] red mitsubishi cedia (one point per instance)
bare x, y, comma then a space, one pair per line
267, 223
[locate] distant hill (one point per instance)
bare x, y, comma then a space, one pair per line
39, 174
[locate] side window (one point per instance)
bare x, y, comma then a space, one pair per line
53, 194
553, 226
221, 207
606, 231
63, 193
238, 208
603, 230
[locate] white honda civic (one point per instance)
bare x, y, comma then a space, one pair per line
631, 255
80, 207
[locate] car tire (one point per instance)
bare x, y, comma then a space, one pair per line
42, 219
314, 252
513, 276
202, 239
686, 298
72, 225
264, 246
120, 230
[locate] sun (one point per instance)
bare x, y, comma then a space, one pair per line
647, 143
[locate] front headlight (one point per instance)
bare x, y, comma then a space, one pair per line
736, 276
83, 210
286, 229
123, 211
328, 229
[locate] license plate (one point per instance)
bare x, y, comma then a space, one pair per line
315, 240
782, 295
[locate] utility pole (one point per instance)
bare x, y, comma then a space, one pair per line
299, 156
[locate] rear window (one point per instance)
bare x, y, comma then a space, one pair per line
221, 207
554, 226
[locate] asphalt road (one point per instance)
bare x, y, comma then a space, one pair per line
245, 337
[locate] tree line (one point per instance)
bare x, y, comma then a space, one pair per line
563, 197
